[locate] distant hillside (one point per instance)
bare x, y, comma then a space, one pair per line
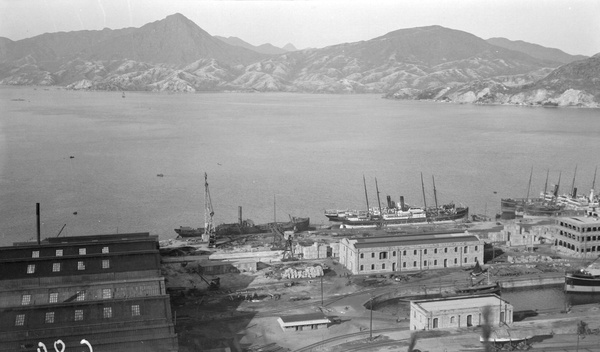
536, 51
267, 48
289, 47
176, 55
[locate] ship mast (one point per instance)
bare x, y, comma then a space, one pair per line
434, 193
529, 186
546, 185
594, 182
423, 189
209, 231
573, 184
557, 185
366, 195
378, 201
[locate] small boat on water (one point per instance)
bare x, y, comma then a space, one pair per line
585, 280
186, 231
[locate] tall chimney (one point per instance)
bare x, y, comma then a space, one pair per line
402, 203
240, 214
37, 213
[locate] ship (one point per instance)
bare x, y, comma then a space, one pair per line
207, 233
400, 213
186, 231
585, 280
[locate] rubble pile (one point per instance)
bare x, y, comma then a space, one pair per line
308, 272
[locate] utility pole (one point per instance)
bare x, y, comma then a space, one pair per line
371, 322
321, 290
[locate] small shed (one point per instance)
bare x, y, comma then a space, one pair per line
300, 322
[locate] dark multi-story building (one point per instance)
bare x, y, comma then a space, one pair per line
578, 236
387, 254
104, 289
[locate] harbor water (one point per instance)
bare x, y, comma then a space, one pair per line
92, 159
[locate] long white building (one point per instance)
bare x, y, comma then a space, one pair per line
388, 254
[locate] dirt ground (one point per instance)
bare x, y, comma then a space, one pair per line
242, 313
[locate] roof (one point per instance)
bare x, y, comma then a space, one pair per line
302, 317
405, 240
459, 302
583, 220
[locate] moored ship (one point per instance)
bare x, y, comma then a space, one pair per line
584, 280
398, 214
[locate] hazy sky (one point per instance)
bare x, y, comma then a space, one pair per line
570, 25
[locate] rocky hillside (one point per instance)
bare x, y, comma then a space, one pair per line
176, 55
536, 51
268, 49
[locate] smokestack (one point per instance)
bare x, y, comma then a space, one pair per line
37, 213
556, 190
575, 192
240, 214
389, 202
402, 203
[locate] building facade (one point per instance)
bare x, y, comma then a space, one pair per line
459, 312
106, 289
387, 254
578, 236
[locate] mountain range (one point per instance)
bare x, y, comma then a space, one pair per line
174, 54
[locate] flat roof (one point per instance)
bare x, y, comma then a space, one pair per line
459, 302
302, 317
386, 241
582, 220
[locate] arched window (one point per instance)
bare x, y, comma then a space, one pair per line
451, 320
435, 323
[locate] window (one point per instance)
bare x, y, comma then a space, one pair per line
425, 251
435, 252
362, 267
404, 264
372, 266
455, 249
50, 317
435, 262
383, 266
135, 310
78, 314
415, 263
59, 252
55, 267
106, 293
466, 249
435, 323
415, 252
424, 263
107, 312
26, 300
393, 253
104, 249
373, 255
30, 268
445, 250
20, 320
383, 255
404, 252
80, 266
455, 261
105, 263
80, 296
362, 255
35, 254
475, 248
451, 319
82, 251
53, 298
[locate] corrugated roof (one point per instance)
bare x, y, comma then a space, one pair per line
302, 317
460, 302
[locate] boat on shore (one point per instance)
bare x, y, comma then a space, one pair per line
585, 280
186, 231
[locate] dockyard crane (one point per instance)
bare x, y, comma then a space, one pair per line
209, 229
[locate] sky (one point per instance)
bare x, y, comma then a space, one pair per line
570, 25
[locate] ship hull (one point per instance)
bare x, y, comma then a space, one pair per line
189, 232
582, 283
460, 214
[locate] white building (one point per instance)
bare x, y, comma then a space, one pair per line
458, 312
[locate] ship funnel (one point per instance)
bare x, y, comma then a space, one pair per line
556, 190
402, 203
575, 192
389, 202
37, 213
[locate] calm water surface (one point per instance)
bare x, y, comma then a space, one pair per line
297, 154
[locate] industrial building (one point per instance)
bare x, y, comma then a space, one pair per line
387, 254
578, 236
459, 312
300, 322
104, 289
